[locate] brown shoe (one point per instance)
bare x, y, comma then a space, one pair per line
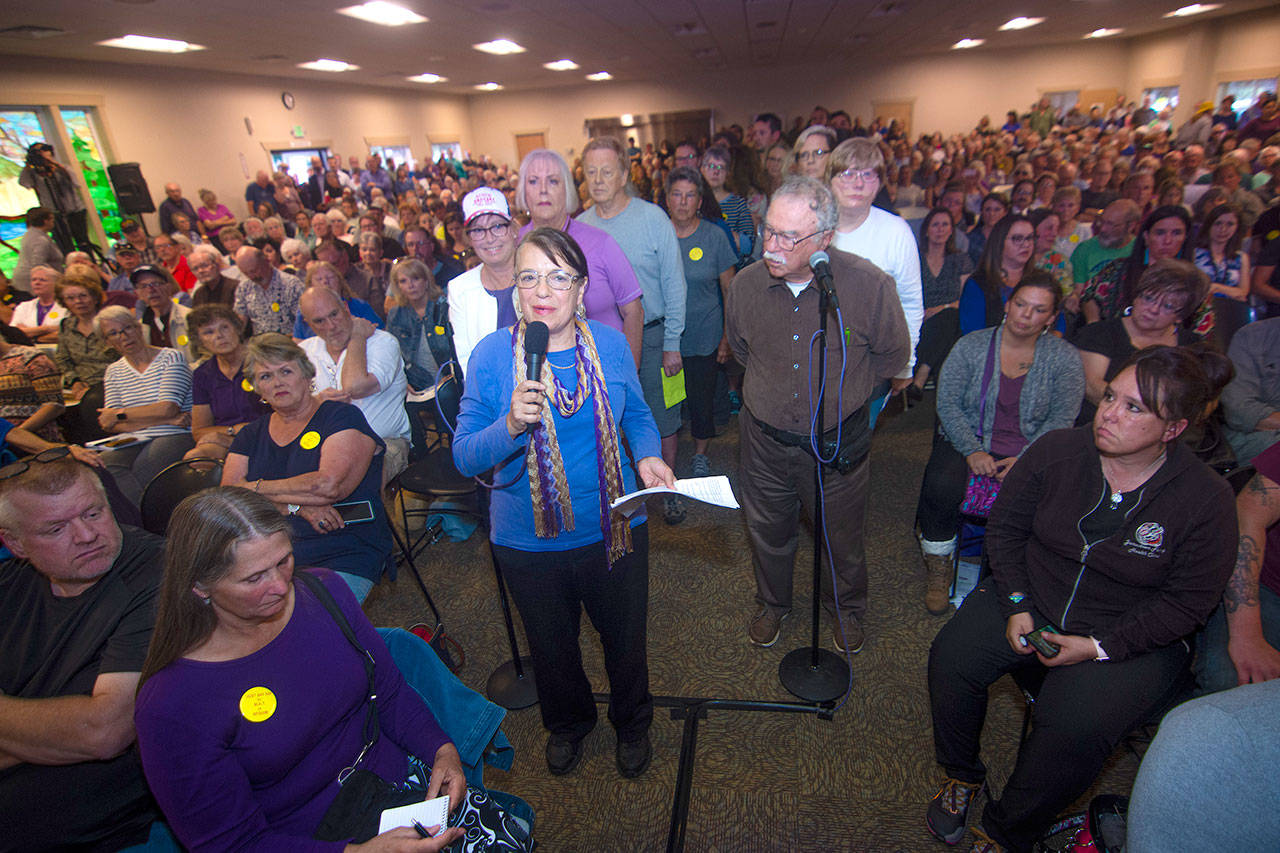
766, 626
853, 636
938, 570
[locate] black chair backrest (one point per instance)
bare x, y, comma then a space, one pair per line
449, 398
167, 489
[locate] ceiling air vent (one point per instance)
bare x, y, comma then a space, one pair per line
31, 32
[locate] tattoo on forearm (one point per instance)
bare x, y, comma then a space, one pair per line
1262, 488
1242, 589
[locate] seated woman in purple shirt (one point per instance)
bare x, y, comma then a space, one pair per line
222, 401
253, 700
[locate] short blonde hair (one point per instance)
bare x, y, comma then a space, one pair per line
278, 349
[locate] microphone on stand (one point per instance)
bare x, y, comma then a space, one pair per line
535, 353
820, 263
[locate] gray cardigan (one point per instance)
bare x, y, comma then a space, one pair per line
1051, 393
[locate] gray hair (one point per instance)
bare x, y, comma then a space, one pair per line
291, 245
538, 155
815, 195
209, 252
273, 220
114, 314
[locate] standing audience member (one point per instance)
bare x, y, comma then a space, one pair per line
76, 610
174, 203
222, 398
771, 313
37, 248
483, 298
943, 269
147, 393
57, 191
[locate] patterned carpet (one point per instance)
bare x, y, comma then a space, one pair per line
762, 781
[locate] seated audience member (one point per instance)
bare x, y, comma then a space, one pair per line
857, 175
232, 240
1071, 230
377, 271
277, 230
214, 216
173, 261
420, 322
323, 274
999, 391
39, 318
1006, 258
37, 248
214, 285
546, 190
339, 255
183, 230
271, 248
1207, 782
1165, 233
127, 260
456, 246
1241, 642
943, 268
1165, 295
296, 255
234, 612
147, 393
267, 298
82, 355
994, 208
1159, 538
1045, 256
76, 611
308, 455
420, 243
1251, 402
222, 400
164, 320
1099, 195
1112, 239
1220, 255
254, 227
30, 390
357, 363
709, 262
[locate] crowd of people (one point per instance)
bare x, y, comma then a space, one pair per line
1094, 297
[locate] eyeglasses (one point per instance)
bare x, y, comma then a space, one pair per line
119, 333
149, 284
494, 232
23, 465
556, 279
809, 156
786, 242
850, 175
713, 167
1165, 307
1022, 239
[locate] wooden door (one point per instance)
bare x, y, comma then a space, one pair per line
889, 110
526, 142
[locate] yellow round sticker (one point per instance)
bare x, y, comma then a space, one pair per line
1074, 238
244, 383
1271, 235
310, 440
257, 704
439, 330
695, 254
182, 340
275, 306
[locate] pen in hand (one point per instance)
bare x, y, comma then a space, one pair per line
422, 830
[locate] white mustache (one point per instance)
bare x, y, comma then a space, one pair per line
775, 257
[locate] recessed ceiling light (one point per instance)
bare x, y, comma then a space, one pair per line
1193, 9
499, 47
600, 75
384, 13
489, 87
1103, 32
157, 45
561, 65
328, 65
1020, 23
967, 43
428, 78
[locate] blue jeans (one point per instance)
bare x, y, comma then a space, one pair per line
1213, 667
360, 587
1208, 782
470, 720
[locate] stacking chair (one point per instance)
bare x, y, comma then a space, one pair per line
167, 489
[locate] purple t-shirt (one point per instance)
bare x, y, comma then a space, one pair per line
1267, 463
610, 280
506, 307
230, 400
244, 754
1006, 432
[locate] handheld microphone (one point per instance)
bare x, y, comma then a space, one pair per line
820, 263
535, 353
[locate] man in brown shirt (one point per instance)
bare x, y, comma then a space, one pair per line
771, 316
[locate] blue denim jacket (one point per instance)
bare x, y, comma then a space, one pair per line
406, 325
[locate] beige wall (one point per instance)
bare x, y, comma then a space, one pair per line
190, 127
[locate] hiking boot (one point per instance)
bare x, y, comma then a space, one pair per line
949, 810
633, 758
701, 465
983, 843
938, 570
766, 626
562, 755
852, 633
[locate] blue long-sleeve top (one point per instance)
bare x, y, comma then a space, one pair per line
482, 441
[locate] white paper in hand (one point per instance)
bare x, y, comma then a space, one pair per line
429, 813
711, 490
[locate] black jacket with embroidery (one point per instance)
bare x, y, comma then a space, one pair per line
1150, 584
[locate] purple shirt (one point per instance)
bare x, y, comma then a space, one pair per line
1006, 433
610, 280
229, 399
232, 773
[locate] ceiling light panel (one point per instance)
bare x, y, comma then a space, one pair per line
561, 65
499, 47
489, 87
156, 45
1104, 32
1020, 23
600, 75
383, 13
328, 65
965, 44
1193, 9
427, 78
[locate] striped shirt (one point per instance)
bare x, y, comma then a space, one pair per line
166, 379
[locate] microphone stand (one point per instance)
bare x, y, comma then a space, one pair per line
814, 673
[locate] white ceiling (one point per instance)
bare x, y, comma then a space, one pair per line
635, 41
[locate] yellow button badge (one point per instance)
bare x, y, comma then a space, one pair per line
695, 254
310, 440
257, 704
